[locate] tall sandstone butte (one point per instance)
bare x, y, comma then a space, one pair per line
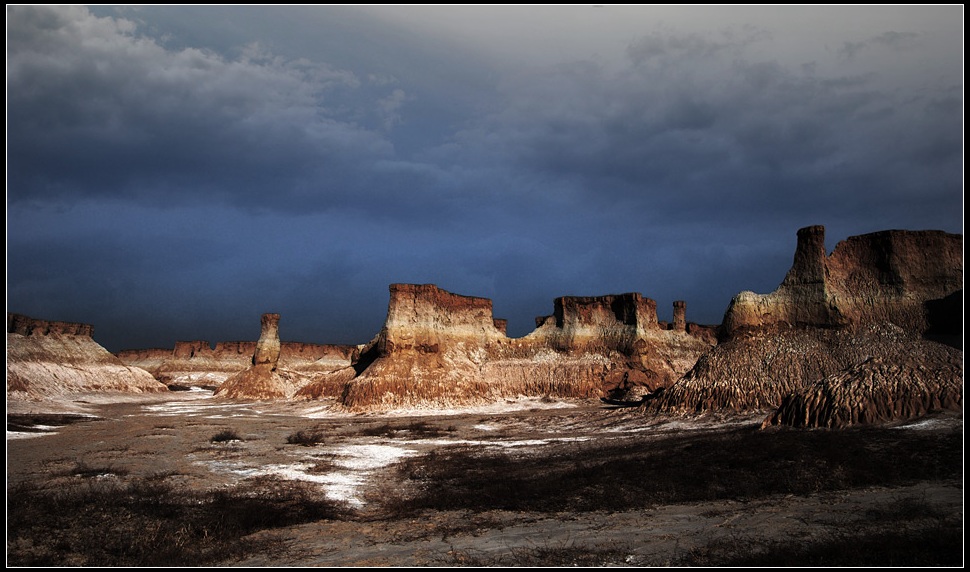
872, 301
437, 348
47, 359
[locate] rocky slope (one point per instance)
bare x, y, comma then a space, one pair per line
926, 377
873, 300
47, 359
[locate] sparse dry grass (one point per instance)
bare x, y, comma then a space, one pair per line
121, 510
738, 464
147, 522
413, 429
879, 543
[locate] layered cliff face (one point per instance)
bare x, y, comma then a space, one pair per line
870, 301
48, 359
431, 349
437, 348
882, 277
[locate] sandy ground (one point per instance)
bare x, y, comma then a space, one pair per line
143, 435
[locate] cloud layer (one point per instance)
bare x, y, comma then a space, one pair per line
175, 172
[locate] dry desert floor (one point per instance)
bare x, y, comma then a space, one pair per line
188, 479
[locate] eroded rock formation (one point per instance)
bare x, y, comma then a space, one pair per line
871, 301
904, 385
438, 348
48, 359
261, 380
279, 370
882, 277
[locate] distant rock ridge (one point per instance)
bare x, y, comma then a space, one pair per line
440, 348
27, 326
47, 359
876, 299
198, 363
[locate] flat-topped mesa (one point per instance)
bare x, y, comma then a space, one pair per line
27, 326
882, 277
421, 317
268, 347
438, 348
50, 358
615, 321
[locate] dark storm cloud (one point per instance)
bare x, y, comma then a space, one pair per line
174, 172
692, 123
99, 109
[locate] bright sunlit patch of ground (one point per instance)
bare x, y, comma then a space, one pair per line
354, 465
197, 408
927, 424
504, 406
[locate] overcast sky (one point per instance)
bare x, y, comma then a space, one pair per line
175, 172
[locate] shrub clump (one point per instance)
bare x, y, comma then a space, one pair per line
225, 436
305, 438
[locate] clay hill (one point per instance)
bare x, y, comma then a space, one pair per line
48, 359
850, 337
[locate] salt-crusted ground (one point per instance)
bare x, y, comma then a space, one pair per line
355, 465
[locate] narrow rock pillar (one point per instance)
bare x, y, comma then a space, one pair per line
268, 346
680, 316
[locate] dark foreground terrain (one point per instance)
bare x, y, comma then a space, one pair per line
186, 479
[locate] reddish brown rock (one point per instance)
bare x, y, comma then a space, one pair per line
261, 380
903, 386
195, 363
680, 316
882, 277
268, 346
200, 364
439, 348
281, 370
46, 359
873, 298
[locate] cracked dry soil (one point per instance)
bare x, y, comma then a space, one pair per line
553, 484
